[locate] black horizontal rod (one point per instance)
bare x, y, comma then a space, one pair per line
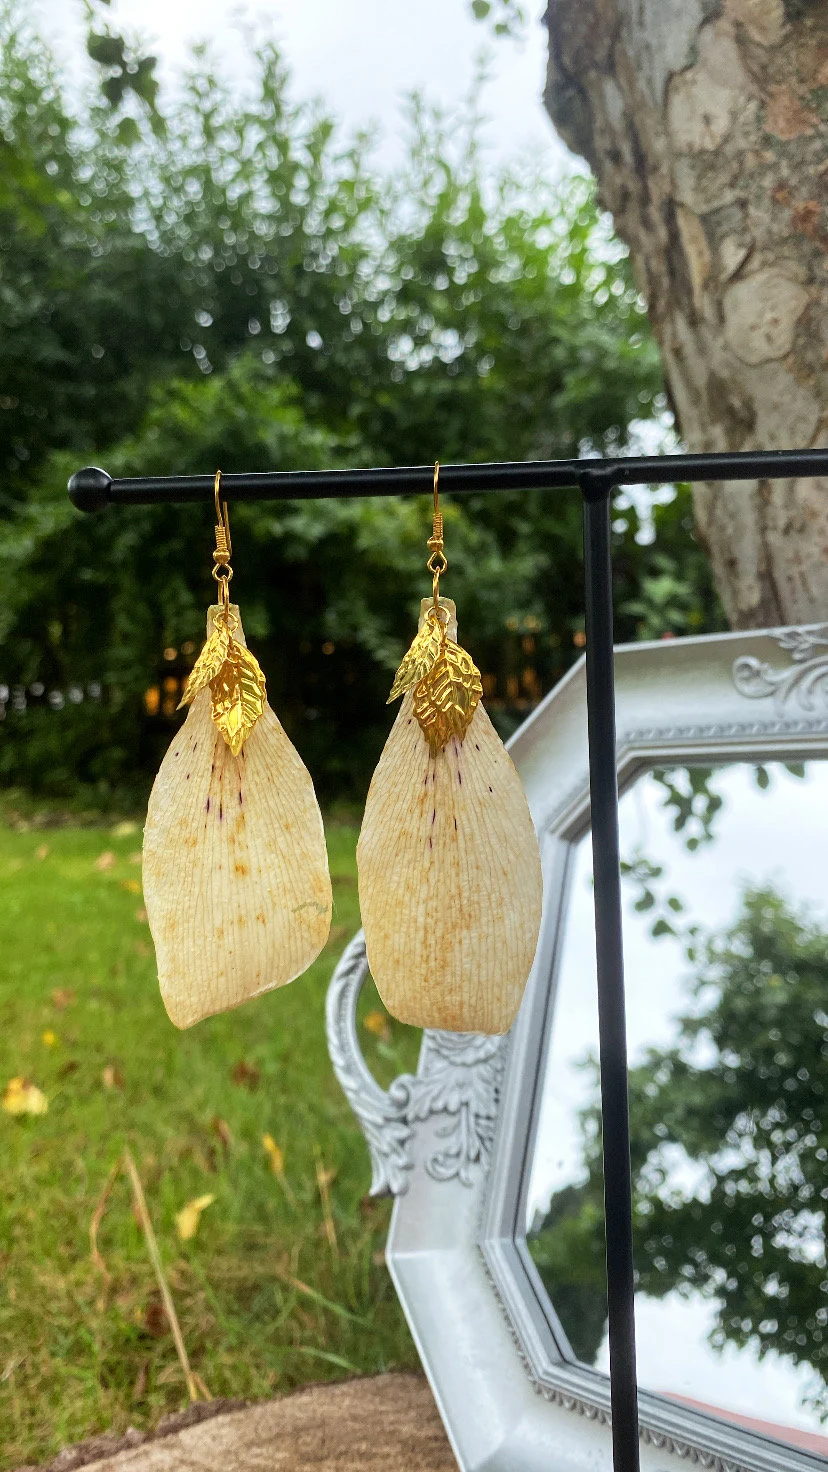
92, 489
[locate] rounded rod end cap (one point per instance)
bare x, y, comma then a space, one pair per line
89, 489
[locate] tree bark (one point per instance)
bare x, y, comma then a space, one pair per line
706, 124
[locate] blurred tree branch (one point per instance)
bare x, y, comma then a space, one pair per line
124, 71
505, 17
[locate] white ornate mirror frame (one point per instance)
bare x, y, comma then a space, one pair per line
452, 1143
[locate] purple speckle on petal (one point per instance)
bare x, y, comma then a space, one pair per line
434, 815
207, 806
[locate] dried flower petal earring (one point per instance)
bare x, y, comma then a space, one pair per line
449, 869
236, 879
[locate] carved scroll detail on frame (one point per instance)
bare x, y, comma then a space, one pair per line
381, 1120
460, 1076
804, 680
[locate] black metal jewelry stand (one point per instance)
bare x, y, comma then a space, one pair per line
92, 490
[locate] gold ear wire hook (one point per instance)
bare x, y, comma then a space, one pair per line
437, 562
224, 549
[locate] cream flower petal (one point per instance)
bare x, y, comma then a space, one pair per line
236, 882
449, 878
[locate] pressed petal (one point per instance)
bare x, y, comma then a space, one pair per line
449, 878
235, 875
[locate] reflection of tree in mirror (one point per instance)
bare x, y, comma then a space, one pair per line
729, 1151
568, 1251
689, 791
662, 909
692, 795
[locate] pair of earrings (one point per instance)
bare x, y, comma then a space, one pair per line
236, 881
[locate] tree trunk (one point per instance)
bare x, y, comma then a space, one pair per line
706, 123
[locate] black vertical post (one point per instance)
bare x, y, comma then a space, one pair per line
600, 682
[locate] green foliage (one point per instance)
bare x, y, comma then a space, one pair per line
673, 588
263, 1302
125, 73
240, 288
506, 17
739, 1102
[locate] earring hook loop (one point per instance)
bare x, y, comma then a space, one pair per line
437, 562
222, 571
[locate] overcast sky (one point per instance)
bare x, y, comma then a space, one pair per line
360, 58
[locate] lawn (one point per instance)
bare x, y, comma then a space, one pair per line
273, 1290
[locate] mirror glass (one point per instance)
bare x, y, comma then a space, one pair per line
726, 938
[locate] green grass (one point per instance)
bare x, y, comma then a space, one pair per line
80, 1353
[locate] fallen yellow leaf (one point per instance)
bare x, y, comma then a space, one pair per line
105, 860
188, 1218
132, 886
49, 1038
22, 1097
42, 852
377, 1023
111, 1077
275, 1154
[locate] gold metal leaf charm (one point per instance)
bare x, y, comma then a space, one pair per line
209, 662
446, 700
420, 659
238, 695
